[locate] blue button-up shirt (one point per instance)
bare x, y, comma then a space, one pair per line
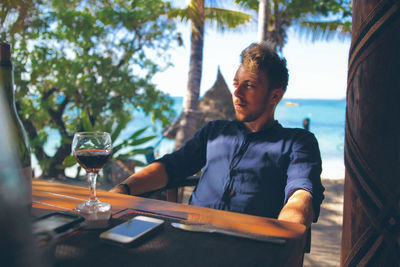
253, 173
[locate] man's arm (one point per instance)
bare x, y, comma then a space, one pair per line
299, 208
152, 177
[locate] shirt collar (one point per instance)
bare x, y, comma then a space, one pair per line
274, 126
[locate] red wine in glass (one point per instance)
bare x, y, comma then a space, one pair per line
92, 150
92, 160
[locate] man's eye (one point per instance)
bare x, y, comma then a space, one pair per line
251, 85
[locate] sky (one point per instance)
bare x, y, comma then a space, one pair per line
316, 70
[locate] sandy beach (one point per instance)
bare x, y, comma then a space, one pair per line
326, 234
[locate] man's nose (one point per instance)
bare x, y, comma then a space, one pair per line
238, 92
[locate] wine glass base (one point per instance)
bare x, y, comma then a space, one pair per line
91, 207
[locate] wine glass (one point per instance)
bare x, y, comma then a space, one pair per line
92, 150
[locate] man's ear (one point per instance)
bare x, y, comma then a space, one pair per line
276, 95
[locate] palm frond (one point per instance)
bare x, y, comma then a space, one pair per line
120, 126
251, 4
182, 13
86, 123
324, 30
224, 18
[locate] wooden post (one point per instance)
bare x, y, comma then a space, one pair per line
371, 214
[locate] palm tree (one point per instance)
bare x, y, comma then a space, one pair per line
263, 20
319, 19
198, 14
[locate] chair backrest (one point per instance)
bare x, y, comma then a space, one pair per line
175, 191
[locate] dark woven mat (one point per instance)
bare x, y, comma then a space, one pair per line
167, 247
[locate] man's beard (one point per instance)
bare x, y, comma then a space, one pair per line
250, 117
246, 118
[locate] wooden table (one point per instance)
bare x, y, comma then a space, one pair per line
230, 250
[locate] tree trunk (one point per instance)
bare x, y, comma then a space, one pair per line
371, 214
53, 170
190, 105
263, 20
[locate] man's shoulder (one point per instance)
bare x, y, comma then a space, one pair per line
298, 141
293, 130
296, 133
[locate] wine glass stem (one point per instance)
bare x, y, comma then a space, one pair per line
92, 179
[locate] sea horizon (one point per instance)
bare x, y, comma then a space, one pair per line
327, 120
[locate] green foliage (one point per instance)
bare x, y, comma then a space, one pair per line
226, 19
317, 19
127, 149
15, 16
87, 65
130, 146
222, 19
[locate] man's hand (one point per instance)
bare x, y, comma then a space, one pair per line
299, 208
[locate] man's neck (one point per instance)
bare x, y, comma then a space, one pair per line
255, 126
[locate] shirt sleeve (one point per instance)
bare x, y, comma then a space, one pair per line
304, 170
187, 160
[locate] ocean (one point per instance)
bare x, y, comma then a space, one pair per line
327, 122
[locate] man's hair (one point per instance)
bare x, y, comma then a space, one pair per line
262, 57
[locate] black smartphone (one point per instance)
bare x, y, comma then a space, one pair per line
56, 221
131, 230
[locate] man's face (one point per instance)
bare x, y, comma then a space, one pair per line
252, 99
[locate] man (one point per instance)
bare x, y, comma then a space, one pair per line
251, 165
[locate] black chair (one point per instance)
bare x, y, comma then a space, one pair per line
170, 192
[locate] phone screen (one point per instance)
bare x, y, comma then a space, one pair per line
133, 228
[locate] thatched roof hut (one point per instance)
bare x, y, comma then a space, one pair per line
216, 104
